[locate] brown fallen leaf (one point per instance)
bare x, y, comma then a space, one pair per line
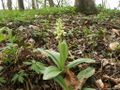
31, 42
106, 86
99, 84
71, 80
21, 28
104, 62
117, 87
116, 31
116, 81
10, 23
113, 46
34, 27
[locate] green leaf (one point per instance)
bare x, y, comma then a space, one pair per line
86, 73
51, 72
1, 68
6, 35
55, 56
36, 66
15, 77
78, 61
88, 89
63, 49
27, 63
2, 81
60, 80
20, 77
2, 37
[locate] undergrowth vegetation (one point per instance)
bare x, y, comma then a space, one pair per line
27, 15
10, 55
58, 48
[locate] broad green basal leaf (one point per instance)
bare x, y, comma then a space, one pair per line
86, 73
60, 80
55, 56
51, 72
63, 49
78, 61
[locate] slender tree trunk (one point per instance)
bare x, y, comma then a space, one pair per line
37, 4
61, 3
21, 5
51, 3
104, 2
86, 6
58, 3
45, 3
119, 4
3, 4
33, 4
29, 4
9, 4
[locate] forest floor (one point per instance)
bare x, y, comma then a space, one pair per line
95, 36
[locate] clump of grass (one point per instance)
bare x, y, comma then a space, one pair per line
16, 15
106, 14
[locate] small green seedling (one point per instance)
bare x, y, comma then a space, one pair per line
36, 66
19, 77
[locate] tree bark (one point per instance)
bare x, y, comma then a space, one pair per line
33, 4
37, 4
21, 5
3, 4
86, 6
51, 3
45, 3
9, 4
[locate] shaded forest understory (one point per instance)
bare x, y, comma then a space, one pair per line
94, 37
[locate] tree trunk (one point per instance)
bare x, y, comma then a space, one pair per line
21, 5
9, 4
3, 5
33, 4
45, 3
86, 6
119, 4
37, 4
51, 3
